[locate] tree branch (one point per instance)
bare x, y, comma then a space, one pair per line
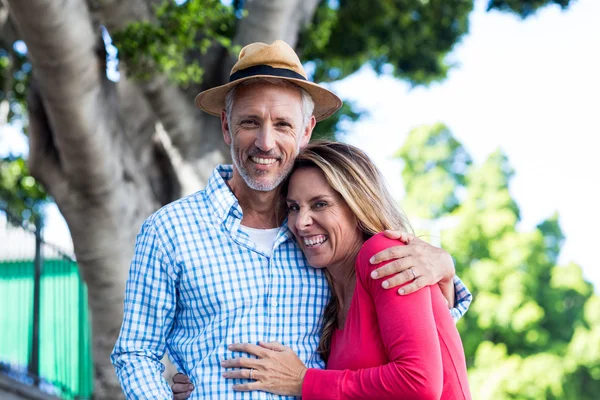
140, 130
174, 108
43, 161
62, 48
300, 17
8, 33
265, 21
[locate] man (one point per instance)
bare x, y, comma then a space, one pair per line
219, 266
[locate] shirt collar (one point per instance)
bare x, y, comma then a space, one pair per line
225, 203
220, 196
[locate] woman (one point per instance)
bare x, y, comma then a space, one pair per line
376, 344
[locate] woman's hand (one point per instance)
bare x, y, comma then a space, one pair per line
277, 369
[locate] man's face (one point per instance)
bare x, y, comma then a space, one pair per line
266, 133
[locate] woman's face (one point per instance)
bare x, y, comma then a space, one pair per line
323, 224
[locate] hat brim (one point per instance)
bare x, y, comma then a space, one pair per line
212, 100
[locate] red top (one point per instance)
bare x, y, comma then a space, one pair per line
391, 346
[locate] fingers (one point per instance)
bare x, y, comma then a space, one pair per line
401, 278
241, 362
182, 386
242, 374
399, 235
409, 271
181, 396
391, 253
275, 346
247, 387
246, 363
395, 267
248, 348
415, 285
181, 378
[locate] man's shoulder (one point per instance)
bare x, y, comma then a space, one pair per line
196, 205
185, 211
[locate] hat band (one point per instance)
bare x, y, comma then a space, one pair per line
265, 70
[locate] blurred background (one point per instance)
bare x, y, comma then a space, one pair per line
482, 115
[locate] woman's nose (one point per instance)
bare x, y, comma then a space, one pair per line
304, 219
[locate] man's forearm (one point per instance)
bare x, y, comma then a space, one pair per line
141, 376
462, 300
448, 291
150, 299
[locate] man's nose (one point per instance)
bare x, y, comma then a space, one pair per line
266, 138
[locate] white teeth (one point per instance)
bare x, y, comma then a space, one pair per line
264, 161
314, 240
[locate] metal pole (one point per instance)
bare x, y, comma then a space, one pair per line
34, 359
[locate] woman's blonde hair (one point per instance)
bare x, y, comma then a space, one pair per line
351, 173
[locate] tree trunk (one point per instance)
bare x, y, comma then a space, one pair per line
79, 151
112, 153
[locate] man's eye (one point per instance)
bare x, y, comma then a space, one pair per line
248, 122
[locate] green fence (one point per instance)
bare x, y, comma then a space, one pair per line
44, 324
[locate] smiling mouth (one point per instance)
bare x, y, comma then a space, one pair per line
314, 241
263, 161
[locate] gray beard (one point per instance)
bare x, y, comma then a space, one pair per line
259, 186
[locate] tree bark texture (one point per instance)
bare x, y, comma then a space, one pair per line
112, 153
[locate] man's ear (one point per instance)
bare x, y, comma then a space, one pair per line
308, 132
225, 128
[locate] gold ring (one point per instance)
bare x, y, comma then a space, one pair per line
251, 370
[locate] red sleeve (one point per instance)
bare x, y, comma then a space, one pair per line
409, 333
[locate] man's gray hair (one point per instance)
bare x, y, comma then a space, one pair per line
308, 104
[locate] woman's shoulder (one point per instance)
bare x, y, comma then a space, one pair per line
377, 243
372, 246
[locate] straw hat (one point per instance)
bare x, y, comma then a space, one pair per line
277, 60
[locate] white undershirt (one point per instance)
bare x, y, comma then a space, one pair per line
263, 238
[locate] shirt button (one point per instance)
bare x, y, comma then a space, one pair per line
274, 304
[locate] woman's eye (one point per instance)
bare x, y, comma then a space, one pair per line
320, 204
293, 208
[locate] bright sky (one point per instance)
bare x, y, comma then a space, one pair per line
531, 88
528, 87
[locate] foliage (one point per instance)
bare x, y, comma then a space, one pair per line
180, 30
524, 8
338, 123
19, 191
533, 330
409, 38
15, 75
434, 163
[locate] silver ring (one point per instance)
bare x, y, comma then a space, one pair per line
413, 272
251, 370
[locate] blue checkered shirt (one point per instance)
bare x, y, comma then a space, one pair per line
197, 283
